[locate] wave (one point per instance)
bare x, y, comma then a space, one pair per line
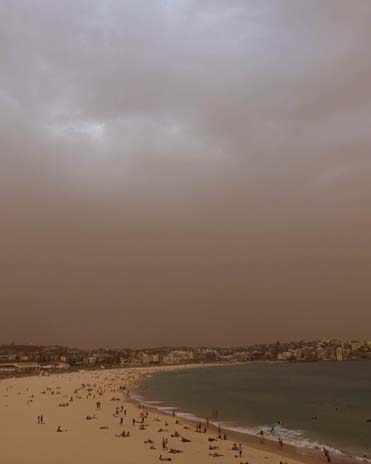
273, 432
295, 438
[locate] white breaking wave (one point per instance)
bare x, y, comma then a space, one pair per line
292, 437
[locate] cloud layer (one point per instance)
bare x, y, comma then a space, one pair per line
184, 172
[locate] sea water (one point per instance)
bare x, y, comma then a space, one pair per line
307, 404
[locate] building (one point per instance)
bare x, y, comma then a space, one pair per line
155, 358
146, 359
7, 357
73, 358
298, 354
178, 357
20, 367
339, 353
286, 355
321, 354
355, 345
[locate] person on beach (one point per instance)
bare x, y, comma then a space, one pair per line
240, 450
280, 442
175, 451
327, 454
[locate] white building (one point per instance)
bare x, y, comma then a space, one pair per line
178, 356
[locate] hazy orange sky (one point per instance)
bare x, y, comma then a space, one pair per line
184, 172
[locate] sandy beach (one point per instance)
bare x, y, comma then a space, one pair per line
93, 434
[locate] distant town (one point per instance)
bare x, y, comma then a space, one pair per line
29, 359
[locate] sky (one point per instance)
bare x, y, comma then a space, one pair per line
184, 172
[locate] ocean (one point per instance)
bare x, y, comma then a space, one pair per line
308, 404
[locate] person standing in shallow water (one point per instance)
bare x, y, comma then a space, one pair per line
327, 455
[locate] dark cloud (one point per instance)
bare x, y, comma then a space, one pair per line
184, 172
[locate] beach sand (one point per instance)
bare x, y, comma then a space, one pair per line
24, 440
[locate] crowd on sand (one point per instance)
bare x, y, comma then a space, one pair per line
168, 436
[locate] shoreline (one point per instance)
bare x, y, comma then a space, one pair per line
290, 450
97, 441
